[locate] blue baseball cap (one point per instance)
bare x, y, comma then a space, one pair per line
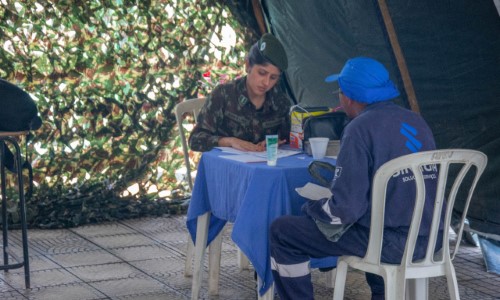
365, 80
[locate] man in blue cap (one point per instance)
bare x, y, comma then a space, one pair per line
378, 132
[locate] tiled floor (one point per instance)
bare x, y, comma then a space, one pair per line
144, 259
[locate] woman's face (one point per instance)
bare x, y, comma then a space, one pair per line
261, 78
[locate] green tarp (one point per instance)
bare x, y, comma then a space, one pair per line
452, 55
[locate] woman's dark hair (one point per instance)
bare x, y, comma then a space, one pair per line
255, 57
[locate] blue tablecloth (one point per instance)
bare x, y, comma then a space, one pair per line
250, 195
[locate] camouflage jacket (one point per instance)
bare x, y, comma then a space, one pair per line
228, 112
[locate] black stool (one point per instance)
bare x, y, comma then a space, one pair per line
11, 138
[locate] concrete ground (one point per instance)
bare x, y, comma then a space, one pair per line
144, 259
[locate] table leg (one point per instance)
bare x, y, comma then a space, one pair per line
199, 253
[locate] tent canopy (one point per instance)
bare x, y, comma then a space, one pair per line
444, 56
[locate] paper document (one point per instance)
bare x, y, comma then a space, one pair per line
313, 191
261, 154
244, 158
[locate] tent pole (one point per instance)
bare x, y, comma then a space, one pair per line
393, 38
257, 10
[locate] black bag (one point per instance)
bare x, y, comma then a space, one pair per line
330, 125
18, 111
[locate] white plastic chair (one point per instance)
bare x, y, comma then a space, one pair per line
433, 265
193, 107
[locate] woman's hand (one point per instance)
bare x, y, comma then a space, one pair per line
261, 146
241, 144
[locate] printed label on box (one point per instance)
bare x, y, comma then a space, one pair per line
297, 118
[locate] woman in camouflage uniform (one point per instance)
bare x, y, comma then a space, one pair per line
241, 113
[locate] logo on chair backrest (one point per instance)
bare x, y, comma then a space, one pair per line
441, 155
410, 133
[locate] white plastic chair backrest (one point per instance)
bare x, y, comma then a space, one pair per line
464, 159
193, 107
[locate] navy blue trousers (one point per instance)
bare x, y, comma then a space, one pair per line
295, 239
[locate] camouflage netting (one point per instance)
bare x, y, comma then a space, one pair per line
106, 76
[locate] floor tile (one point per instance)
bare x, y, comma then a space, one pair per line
144, 258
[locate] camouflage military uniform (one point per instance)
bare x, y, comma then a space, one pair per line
228, 112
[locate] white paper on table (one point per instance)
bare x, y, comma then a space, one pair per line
261, 154
231, 150
246, 158
313, 191
281, 153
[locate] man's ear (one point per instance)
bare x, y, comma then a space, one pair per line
351, 102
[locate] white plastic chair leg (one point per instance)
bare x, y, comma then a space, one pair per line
188, 267
340, 278
199, 252
214, 256
243, 262
394, 289
451, 278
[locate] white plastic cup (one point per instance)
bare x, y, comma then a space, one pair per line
318, 146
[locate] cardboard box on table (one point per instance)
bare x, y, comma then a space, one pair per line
297, 116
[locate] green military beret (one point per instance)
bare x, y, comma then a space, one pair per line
273, 50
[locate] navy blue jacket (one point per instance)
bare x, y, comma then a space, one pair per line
381, 132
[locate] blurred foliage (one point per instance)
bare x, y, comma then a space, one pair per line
106, 75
